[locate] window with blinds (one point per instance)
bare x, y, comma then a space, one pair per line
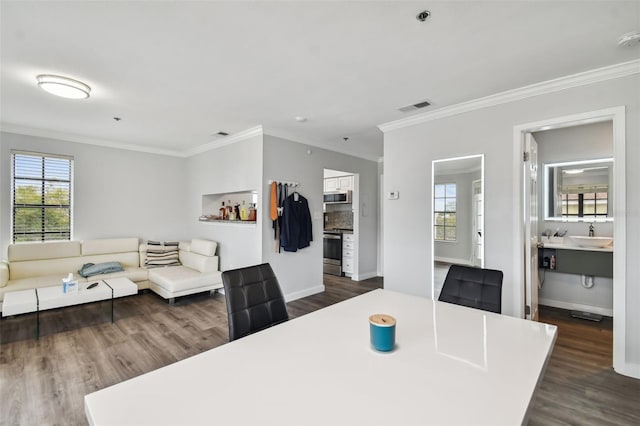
41, 197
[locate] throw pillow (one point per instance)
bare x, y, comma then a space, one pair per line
159, 256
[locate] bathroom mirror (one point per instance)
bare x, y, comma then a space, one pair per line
579, 191
457, 215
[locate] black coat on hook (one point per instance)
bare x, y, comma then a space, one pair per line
296, 223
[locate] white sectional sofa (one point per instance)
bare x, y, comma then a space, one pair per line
198, 271
33, 265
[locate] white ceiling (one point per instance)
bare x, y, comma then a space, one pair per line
178, 72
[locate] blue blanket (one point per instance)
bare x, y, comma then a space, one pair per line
90, 269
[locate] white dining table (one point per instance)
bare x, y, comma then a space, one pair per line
450, 365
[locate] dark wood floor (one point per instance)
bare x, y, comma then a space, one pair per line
43, 382
580, 386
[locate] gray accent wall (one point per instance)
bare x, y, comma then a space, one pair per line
117, 193
408, 153
300, 273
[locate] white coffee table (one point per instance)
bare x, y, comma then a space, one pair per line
19, 302
42, 299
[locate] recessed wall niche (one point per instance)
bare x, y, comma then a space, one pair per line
212, 205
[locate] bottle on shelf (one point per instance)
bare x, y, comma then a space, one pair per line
223, 212
236, 211
252, 213
229, 211
243, 211
552, 263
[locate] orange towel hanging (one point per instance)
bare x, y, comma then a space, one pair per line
273, 210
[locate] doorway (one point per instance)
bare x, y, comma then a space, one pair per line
523, 234
341, 208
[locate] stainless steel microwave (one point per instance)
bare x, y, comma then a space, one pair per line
337, 197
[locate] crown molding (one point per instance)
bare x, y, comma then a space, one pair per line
227, 140
575, 80
72, 137
310, 142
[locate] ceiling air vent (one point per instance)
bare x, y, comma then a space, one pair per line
413, 107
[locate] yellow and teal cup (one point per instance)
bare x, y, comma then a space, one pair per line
382, 328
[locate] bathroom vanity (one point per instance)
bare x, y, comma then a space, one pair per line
578, 260
578, 255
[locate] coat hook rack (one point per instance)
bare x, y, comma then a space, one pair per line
294, 184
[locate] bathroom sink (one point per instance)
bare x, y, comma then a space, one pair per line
593, 242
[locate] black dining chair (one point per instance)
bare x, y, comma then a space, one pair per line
473, 287
254, 300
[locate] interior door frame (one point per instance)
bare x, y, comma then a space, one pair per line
617, 116
531, 220
477, 225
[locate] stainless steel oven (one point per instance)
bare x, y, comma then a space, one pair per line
332, 253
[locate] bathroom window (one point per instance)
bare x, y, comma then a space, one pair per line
590, 204
41, 207
444, 210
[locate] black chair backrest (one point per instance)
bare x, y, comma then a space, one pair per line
254, 300
473, 287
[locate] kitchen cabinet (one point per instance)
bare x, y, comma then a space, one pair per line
339, 183
348, 253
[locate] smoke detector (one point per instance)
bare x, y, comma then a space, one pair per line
629, 39
423, 16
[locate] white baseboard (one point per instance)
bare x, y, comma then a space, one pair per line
453, 260
303, 293
576, 307
630, 369
364, 276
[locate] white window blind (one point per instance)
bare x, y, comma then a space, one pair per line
41, 197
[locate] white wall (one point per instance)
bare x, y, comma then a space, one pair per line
117, 193
586, 142
408, 153
231, 168
300, 273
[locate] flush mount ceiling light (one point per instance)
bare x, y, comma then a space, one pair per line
63, 86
